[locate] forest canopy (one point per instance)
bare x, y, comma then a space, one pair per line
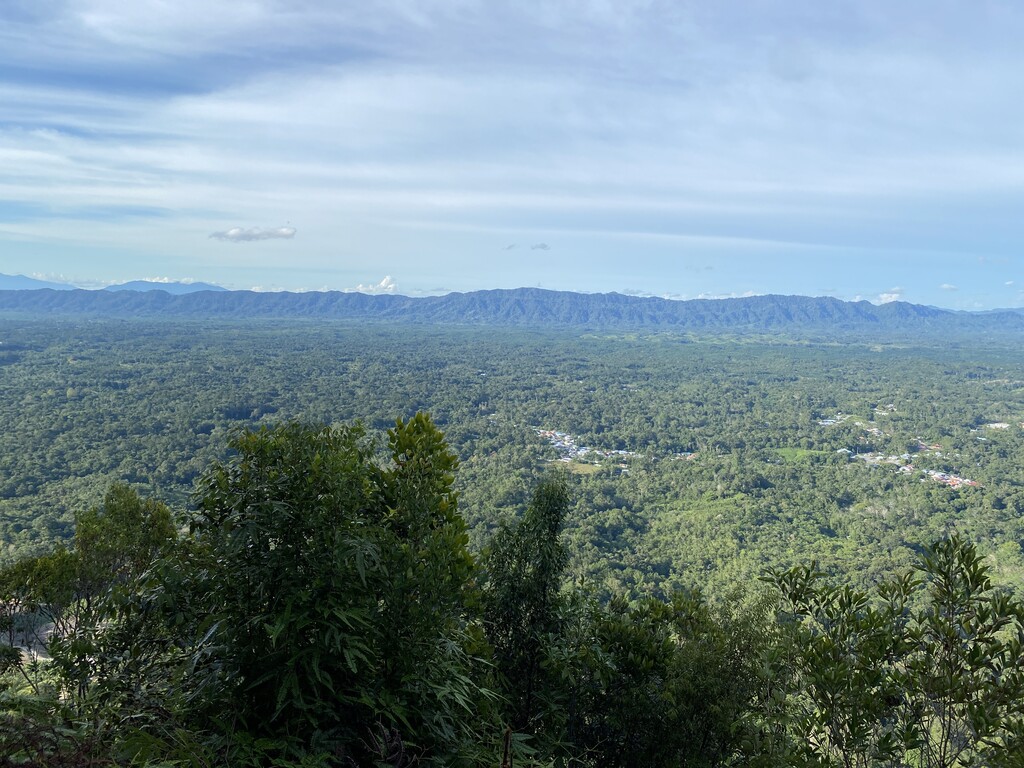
732, 540
709, 459
319, 605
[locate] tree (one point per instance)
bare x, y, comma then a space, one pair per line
322, 606
65, 603
117, 541
59, 600
338, 587
655, 684
838, 656
966, 669
873, 681
525, 564
648, 683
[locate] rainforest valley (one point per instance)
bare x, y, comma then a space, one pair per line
334, 543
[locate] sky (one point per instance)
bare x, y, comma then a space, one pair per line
863, 149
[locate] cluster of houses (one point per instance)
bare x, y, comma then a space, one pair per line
839, 418
953, 481
569, 450
903, 461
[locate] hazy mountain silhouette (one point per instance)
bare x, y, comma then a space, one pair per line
174, 288
22, 283
527, 307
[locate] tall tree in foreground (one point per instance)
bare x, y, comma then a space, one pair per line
339, 585
875, 681
647, 684
291, 582
61, 606
525, 567
656, 683
967, 667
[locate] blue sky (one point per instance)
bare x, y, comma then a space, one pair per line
866, 149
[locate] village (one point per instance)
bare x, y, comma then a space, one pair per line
569, 450
904, 461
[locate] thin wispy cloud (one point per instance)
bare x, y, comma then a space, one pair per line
240, 235
540, 247
948, 287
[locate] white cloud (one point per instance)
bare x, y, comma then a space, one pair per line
240, 235
893, 294
50, 277
948, 287
387, 285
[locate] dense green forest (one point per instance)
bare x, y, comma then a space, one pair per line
739, 453
653, 549
318, 605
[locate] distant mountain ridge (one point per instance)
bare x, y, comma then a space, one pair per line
172, 287
526, 307
22, 283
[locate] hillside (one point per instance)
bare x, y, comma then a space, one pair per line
528, 307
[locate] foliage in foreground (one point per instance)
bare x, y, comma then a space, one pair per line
928, 670
320, 608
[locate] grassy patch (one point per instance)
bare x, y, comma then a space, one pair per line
797, 455
583, 469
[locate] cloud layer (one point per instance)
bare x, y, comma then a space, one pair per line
789, 145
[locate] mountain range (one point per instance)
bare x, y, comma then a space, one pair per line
170, 287
528, 307
23, 283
